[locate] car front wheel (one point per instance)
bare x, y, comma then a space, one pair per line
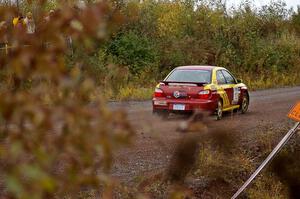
245, 104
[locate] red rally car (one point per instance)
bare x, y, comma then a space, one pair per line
208, 88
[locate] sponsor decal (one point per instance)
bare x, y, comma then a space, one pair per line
160, 103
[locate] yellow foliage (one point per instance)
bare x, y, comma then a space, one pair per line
169, 22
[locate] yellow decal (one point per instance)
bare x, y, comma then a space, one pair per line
226, 99
224, 96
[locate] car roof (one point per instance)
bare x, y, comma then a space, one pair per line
198, 67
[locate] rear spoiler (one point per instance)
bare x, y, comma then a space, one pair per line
175, 82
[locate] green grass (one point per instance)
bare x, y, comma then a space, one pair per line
125, 93
134, 93
271, 80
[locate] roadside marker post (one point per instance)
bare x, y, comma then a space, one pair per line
295, 115
6, 49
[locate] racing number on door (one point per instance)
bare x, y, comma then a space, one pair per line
236, 95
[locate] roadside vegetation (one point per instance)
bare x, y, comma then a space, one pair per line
259, 45
55, 143
215, 164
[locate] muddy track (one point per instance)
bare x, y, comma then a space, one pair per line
156, 139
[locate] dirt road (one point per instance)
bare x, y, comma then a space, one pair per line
155, 139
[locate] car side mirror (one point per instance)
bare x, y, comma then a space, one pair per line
239, 81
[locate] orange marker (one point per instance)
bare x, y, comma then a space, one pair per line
295, 112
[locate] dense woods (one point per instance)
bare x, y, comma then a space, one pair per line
260, 45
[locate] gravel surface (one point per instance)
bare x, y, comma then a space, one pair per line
156, 139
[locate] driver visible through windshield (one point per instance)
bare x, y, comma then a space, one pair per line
190, 76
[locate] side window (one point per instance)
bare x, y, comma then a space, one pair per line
229, 78
220, 78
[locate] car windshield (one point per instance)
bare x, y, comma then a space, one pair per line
193, 76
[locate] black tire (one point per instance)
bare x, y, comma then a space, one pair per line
219, 110
244, 104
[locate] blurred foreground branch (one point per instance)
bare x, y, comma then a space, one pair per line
53, 142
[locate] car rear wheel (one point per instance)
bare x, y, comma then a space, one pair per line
245, 104
219, 111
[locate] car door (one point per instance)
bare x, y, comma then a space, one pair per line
230, 88
222, 88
